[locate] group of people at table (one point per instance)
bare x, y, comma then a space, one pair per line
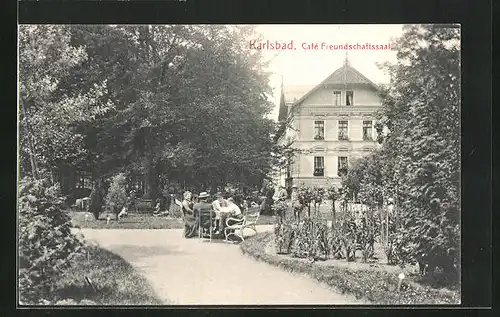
224, 212
199, 214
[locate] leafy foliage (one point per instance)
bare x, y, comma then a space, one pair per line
49, 115
113, 98
377, 286
46, 244
306, 196
117, 198
280, 209
312, 239
284, 234
419, 162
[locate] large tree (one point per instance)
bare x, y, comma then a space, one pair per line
49, 115
419, 162
188, 104
422, 114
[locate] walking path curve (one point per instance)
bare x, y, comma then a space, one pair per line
198, 272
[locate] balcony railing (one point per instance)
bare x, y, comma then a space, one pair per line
319, 137
342, 170
343, 136
319, 172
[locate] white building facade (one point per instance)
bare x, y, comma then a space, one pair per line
331, 125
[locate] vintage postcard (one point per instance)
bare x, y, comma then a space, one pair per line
239, 164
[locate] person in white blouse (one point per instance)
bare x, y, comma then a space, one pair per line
218, 204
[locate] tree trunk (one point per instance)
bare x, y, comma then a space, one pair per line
153, 185
31, 145
333, 214
145, 185
97, 197
71, 186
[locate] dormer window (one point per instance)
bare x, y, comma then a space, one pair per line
349, 98
319, 130
337, 98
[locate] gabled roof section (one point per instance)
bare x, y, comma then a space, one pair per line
283, 109
344, 75
348, 74
290, 94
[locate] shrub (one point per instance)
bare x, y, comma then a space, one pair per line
175, 211
367, 230
377, 286
318, 196
117, 198
280, 209
46, 244
335, 244
312, 239
306, 195
284, 233
333, 194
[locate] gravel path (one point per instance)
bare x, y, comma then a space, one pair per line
193, 271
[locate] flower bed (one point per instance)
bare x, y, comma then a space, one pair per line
372, 283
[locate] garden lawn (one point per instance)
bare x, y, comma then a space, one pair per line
375, 283
138, 221
115, 282
132, 221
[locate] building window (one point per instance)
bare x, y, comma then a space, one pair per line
342, 166
367, 130
343, 130
319, 130
349, 98
337, 98
319, 166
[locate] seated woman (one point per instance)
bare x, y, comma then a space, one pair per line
190, 219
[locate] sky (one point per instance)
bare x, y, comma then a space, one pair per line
310, 67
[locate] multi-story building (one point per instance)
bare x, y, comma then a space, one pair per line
331, 124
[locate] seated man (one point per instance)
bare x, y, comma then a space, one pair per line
202, 210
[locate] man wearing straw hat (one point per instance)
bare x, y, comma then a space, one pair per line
203, 209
